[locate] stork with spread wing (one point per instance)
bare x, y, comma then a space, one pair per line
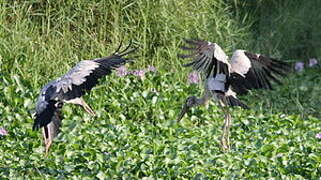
224, 79
69, 89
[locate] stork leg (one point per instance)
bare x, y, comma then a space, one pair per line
87, 107
229, 119
80, 101
47, 147
47, 139
225, 139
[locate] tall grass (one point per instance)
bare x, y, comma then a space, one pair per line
288, 28
37, 37
47, 37
135, 134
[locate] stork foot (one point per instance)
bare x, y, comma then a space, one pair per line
225, 143
47, 147
80, 101
89, 110
87, 107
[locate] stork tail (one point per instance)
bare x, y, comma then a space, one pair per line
232, 101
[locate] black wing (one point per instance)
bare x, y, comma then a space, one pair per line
85, 75
208, 58
45, 113
253, 71
232, 100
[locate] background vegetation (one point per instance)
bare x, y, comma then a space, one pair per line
135, 134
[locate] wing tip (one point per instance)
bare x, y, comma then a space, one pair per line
128, 49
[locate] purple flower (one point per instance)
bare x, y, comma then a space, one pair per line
139, 73
193, 78
3, 132
121, 71
299, 66
313, 62
318, 136
151, 68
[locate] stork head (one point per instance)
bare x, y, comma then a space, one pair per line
190, 102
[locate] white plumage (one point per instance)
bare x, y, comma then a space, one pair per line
216, 83
240, 63
70, 88
224, 80
77, 75
219, 53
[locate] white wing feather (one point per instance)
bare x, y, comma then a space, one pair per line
240, 63
76, 75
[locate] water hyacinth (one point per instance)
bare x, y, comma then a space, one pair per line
318, 136
193, 78
139, 73
3, 132
313, 62
299, 66
151, 68
121, 71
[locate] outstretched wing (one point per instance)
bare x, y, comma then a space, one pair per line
254, 71
85, 75
208, 58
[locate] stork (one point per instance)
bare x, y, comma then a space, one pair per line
224, 79
69, 89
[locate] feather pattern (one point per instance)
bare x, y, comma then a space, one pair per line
85, 75
208, 58
74, 84
254, 71
245, 71
69, 88
45, 111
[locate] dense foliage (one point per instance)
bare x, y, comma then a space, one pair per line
135, 134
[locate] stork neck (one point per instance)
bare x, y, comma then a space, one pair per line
204, 99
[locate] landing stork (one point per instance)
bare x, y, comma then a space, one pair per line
224, 79
69, 89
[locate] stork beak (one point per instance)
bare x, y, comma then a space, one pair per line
183, 112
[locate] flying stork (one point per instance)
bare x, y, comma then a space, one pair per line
69, 89
224, 79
